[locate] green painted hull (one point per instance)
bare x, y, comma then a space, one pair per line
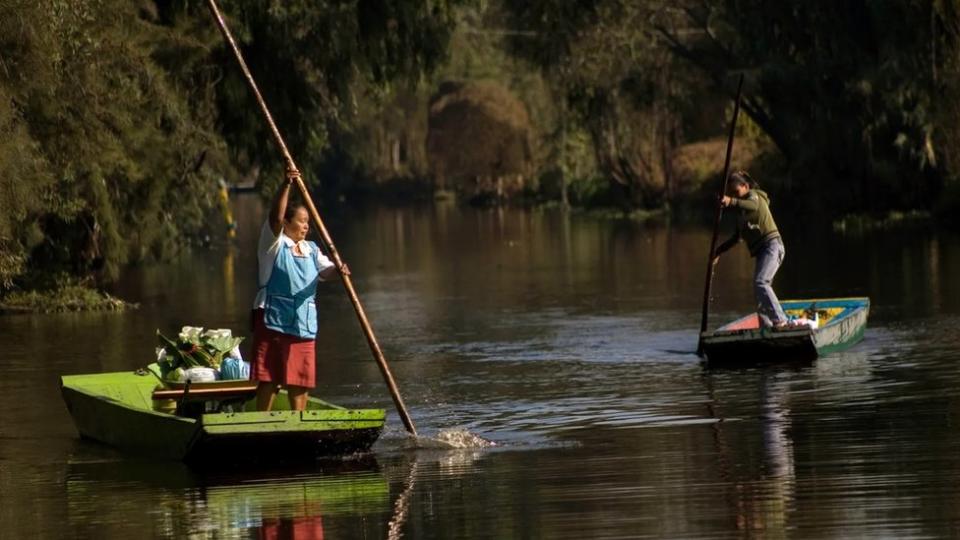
731, 346
117, 409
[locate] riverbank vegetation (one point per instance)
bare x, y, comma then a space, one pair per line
56, 293
70, 298
118, 118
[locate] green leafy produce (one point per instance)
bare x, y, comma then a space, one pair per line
194, 348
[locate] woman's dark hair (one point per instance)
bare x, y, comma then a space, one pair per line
292, 210
743, 177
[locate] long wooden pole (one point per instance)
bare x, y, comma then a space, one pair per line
315, 216
716, 221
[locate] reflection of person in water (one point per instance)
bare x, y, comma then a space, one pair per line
759, 500
307, 527
765, 502
777, 444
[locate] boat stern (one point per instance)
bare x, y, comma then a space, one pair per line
758, 346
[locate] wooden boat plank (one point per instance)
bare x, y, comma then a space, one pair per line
273, 428
291, 420
236, 384
342, 415
284, 446
206, 393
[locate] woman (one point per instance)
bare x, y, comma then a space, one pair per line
285, 312
755, 225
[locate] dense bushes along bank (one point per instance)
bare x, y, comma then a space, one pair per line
118, 118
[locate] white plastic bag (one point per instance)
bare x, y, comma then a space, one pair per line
200, 374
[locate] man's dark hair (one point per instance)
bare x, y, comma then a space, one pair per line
743, 177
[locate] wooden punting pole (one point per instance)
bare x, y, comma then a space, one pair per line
716, 221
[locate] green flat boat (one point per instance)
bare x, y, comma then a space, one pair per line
841, 323
211, 422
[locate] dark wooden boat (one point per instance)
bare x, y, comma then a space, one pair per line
211, 422
841, 323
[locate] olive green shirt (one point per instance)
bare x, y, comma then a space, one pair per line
755, 223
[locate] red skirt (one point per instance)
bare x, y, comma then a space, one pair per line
281, 358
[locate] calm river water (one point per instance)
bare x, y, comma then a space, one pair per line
565, 340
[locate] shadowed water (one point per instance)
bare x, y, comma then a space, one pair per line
547, 360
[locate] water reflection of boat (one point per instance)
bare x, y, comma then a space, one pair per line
118, 409
761, 492
841, 324
181, 501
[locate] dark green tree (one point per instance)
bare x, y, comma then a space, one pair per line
849, 91
108, 145
316, 63
618, 80
118, 117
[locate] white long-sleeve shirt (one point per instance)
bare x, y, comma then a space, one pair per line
267, 250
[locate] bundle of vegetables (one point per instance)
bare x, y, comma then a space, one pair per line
194, 348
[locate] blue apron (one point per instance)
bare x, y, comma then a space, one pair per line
290, 306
